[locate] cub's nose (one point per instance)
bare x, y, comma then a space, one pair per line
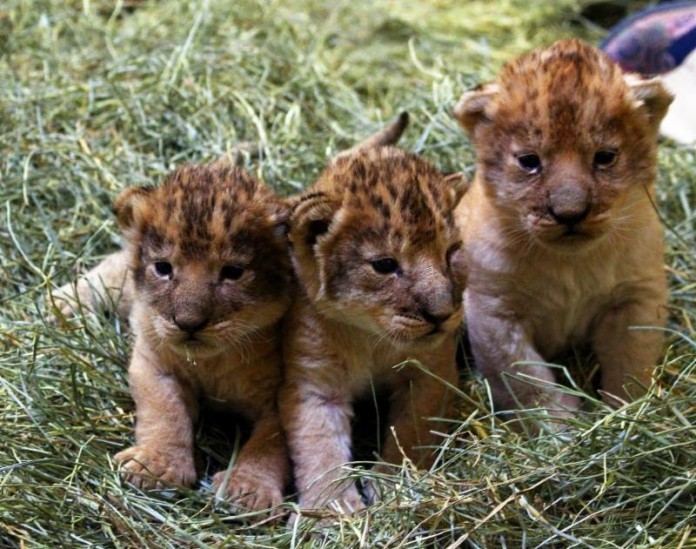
436, 318
569, 216
569, 203
190, 323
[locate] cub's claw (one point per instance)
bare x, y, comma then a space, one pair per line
249, 490
149, 468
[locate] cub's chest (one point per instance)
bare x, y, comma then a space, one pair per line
371, 365
561, 307
557, 300
565, 288
230, 382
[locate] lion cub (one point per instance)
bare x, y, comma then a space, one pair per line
376, 252
207, 279
563, 243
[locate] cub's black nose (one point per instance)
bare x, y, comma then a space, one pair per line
435, 318
569, 203
569, 216
190, 325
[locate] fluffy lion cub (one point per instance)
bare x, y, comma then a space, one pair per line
376, 251
207, 279
563, 243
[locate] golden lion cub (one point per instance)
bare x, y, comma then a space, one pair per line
208, 278
376, 250
562, 240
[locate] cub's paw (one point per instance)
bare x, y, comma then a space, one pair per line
150, 468
67, 301
560, 413
372, 488
249, 490
347, 502
323, 514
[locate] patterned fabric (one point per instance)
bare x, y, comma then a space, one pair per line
654, 40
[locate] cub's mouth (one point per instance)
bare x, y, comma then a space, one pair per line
193, 345
575, 235
579, 235
411, 329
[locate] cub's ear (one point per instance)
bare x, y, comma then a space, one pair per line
474, 106
127, 204
651, 96
310, 218
458, 183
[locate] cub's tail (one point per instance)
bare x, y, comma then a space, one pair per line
388, 135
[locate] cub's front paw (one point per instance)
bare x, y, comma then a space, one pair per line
67, 301
249, 490
324, 513
347, 502
372, 488
149, 468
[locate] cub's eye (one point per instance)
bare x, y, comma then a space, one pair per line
604, 159
385, 265
530, 163
231, 272
164, 269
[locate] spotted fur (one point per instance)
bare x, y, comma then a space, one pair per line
352, 324
207, 280
207, 218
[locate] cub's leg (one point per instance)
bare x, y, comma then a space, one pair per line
165, 412
627, 349
262, 470
106, 285
499, 344
415, 402
316, 419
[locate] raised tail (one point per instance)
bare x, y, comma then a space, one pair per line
388, 135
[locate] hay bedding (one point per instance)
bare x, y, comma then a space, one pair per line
98, 95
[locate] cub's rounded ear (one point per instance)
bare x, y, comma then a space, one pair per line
458, 183
650, 95
475, 106
310, 218
127, 203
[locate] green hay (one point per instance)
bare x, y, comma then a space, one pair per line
98, 95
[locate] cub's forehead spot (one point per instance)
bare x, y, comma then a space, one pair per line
558, 91
202, 210
394, 194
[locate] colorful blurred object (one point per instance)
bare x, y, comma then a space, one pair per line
661, 40
655, 40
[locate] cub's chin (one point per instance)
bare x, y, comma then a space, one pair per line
194, 348
421, 345
569, 240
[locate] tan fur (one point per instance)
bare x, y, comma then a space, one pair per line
206, 334
352, 328
108, 286
572, 252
